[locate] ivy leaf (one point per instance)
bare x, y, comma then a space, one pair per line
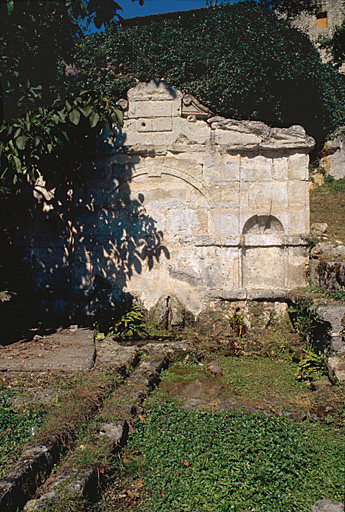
94, 118
74, 116
86, 110
17, 163
21, 141
119, 115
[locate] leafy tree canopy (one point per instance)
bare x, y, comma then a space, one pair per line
242, 61
37, 39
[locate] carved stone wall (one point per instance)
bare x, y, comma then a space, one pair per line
183, 203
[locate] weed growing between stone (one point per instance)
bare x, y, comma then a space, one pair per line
207, 461
16, 428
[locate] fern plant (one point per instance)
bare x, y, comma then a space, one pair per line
130, 325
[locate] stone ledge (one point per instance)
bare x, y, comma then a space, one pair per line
261, 240
269, 295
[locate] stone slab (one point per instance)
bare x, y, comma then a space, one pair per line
336, 369
325, 505
69, 350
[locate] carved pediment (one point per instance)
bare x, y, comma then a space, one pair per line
192, 107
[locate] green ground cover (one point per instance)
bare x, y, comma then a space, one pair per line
327, 204
209, 461
16, 427
215, 459
261, 382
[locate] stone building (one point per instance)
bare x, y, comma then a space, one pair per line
330, 14
181, 203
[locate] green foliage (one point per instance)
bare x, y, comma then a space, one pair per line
16, 427
316, 335
215, 56
290, 7
131, 324
305, 319
40, 140
46, 125
238, 324
335, 186
230, 462
311, 366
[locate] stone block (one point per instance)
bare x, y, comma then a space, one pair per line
336, 369
256, 168
298, 193
235, 139
151, 109
298, 167
298, 222
325, 505
224, 222
263, 268
280, 167
164, 124
263, 197
183, 221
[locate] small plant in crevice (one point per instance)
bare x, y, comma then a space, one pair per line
316, 335
311, 366
130, 325
238, 324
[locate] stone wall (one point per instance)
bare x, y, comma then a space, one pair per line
330, 15
181, 203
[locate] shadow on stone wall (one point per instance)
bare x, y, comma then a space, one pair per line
72, 250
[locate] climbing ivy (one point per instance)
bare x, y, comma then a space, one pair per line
240, 60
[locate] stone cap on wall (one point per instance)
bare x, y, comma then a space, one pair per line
158, 115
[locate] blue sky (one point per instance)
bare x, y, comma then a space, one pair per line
132, 9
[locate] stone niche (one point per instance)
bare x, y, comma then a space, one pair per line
187, 204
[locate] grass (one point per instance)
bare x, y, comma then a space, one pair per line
255, 377
327, 204
261, 382
16, 428
220, 462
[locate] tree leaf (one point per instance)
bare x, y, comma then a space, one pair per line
74, 116
94, 118
86, 110
21, 141
17, 163
119, 116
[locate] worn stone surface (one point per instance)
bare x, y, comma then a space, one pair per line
84, 482
336, 369
110, 354
326, 505
73, 350
181, 203
332, 275
334, 315
319, 228
333, 160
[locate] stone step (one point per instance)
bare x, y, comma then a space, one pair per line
80, 483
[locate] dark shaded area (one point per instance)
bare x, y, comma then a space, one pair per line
70, 251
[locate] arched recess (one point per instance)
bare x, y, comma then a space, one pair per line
264, 259
262, 224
